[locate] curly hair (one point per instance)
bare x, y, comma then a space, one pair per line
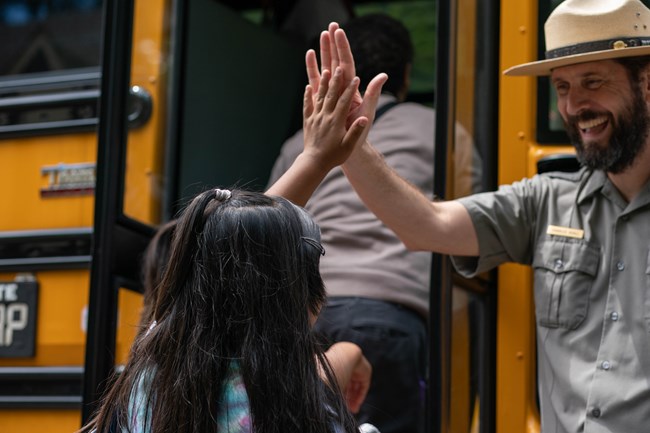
380, 43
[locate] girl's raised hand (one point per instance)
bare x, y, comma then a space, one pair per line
328, 138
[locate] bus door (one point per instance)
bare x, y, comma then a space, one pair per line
463, 312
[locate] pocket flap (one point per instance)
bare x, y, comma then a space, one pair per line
567, 256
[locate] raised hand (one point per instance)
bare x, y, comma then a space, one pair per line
331, 59
329, 140
336, 119
335, 52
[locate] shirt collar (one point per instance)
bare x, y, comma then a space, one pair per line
591, 183
597, 182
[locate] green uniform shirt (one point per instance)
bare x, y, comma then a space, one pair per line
590, 251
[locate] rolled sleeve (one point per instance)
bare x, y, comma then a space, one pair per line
504, 223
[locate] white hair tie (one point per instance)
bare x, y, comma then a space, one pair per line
222, 194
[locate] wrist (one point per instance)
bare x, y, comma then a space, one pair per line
363, 152
313, 164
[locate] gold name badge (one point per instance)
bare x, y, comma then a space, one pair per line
567, 232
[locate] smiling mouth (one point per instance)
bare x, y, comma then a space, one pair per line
587, 125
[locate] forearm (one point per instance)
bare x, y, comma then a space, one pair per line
443, 227
299, 182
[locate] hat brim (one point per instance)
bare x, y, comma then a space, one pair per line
544, 67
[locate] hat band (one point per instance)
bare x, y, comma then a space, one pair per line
588, 47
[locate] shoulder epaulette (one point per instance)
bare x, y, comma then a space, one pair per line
572, 176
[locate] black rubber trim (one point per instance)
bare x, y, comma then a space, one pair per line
50, 249
40, 387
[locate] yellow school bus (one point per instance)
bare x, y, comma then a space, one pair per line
50, 86
112, 113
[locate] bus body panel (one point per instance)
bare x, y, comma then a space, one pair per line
39, 420
519, 153
39, 203
26, 179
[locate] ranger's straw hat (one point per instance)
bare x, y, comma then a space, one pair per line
579, 31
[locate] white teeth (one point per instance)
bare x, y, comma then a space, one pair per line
592, 123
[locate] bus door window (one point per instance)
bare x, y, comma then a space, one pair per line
472, 141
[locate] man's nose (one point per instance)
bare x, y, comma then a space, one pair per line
576, 101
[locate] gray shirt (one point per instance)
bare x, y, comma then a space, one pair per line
590, 251
364, 257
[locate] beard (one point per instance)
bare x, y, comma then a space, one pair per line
629, 132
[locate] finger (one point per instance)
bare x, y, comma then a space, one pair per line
322, 90
334, 55
371, 96
344, 53
332, 98
325, 51
307, 102
357, 132
311, 64
345, 100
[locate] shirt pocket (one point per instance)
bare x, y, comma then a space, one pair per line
564, 273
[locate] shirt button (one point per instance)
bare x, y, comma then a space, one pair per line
606, 365
596, 413
614, 316
620, 266
559, 264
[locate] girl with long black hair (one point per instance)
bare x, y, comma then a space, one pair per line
231, 347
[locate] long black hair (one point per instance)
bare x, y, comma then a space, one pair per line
241, 284
154, 263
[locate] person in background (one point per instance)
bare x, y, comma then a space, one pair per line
378, 291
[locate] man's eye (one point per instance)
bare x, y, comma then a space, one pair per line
561, 89
593, 84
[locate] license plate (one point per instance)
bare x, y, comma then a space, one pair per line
18, 318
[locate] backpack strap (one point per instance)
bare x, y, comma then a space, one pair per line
384, 108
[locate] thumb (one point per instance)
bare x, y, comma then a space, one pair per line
371, 96
357, 132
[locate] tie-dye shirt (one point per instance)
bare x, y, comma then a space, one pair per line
234, 415
234, 409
